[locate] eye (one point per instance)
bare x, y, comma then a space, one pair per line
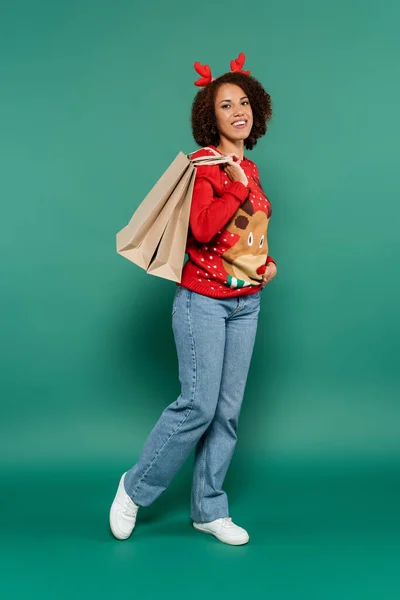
250, 240
261, 241
226, 105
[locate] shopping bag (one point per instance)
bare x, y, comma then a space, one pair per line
169, 258
156, 235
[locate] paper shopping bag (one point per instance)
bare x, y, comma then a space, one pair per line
130, 238
156, 235
170, 255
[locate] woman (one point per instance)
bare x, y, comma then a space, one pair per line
215, 310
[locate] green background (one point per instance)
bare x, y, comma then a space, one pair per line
95, 104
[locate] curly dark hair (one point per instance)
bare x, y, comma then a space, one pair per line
203, 121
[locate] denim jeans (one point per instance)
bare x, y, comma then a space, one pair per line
214, 340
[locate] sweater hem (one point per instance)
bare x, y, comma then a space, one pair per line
192, 284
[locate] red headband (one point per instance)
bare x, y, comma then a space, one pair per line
205, 71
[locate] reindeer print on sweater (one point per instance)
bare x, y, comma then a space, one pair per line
244, 261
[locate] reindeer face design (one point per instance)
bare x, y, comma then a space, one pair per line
251, 249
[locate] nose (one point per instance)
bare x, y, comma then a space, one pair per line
239, 112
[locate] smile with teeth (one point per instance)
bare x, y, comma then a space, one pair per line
239, 124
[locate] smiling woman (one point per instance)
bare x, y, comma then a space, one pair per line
214, 312
230, 210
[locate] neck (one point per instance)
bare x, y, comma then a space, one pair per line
225, 146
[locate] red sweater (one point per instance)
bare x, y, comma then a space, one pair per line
227, 238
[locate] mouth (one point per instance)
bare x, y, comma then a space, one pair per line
239, 124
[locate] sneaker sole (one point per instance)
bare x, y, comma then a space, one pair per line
221, 539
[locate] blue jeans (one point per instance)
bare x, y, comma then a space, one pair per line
214, 340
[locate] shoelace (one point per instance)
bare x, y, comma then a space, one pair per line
227, 521
130, 509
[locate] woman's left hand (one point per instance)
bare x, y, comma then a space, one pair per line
270, 272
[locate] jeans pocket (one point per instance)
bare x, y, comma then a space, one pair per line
175, 301
257, 298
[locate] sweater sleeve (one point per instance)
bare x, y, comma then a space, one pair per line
209, 213
270, 259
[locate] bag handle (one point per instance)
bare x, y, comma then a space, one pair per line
217, 160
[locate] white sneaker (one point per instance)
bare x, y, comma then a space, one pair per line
123, 513
225, 530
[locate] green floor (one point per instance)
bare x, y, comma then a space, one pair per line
317, 531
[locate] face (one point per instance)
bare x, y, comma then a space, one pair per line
232, 106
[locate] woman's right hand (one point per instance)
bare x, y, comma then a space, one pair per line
235, 171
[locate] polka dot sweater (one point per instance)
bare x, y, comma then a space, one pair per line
227, 238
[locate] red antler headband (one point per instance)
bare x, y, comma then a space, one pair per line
205, 71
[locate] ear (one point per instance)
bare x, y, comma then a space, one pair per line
247, 207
